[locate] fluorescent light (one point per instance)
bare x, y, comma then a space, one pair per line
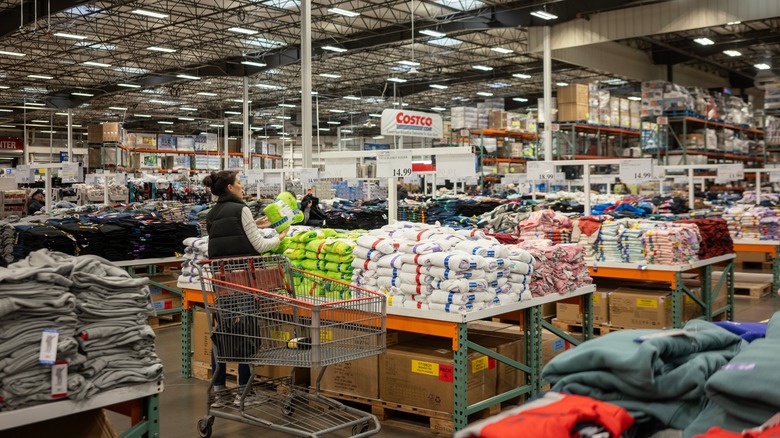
236, 123
438, 108
186, 119
117, 108
287, 105
520, 99
76, 126
146, 116
732, 53
324, 129
482, 67
34, 104
438, 87
337, 111
270, 87
432, 33
134, 70
217, 126
40, 77
399, 80
445, 42
95, 64
96, 46
375, 115
409, 63
149, 13
3, 87
330, 75
7, 53
7, 126
402, 104
284, 117
4, 110
762, 66
704, 41
262, 42
484, 93
39, 121
187, 108
168, 131
502, 50
129, 85
634, 98
344, 12
243, 30
334, 49
254, 64
733, 23
561, 84
333, 123
161, 49
82, 94
185, 76
277, 126
498, 84
48, 132
544, 15
351, 98
378, 137
236, 113
346, 131
163, 122
206, 93
70, 35
240, 101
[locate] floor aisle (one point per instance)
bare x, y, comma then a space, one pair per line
183, 403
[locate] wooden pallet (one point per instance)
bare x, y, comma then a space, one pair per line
752, 290
577, 327
608, 328
410, 417
163, 321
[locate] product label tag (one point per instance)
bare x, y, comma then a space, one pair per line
663, 334
738, 366
558, 345
59, 380
480, 364
48, 354
426, 368
647, 303
446, 373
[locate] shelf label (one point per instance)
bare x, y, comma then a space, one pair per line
663, 120
730, 172
393, 163
540, 171
636, 171
555, 127
454, 167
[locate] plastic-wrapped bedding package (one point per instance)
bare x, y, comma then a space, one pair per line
196, 249
431, 267
672, 244
545, 224
557, 269
323, 252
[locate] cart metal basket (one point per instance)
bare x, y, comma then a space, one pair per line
263, 312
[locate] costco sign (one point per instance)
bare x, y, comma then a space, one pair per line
11, 143
411, 123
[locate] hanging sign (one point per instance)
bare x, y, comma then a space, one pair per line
774, 176
636, 171
11, 143
455, 166
69, 172
411, 123
393, 163
730, 172
540, 171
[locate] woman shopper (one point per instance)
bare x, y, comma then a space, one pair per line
234, 233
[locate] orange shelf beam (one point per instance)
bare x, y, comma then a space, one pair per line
635, 274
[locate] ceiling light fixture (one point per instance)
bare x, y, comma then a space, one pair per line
762, 66
186, 119
333, 123
145, 116
324, 129
34, 104
217, 126
161, 49
163, 122
7, 126
7, 53
634, 98
502, 50
287, 105
561, 84
544, 15
95, 64
733, 23
187, 108
438, 87
346, 131
4, 110
520, 99
78, 93
334, 49
482, 67
344, 12
409, 63
337, 111
206, 93
351, 98
732, 53
40, 77
330, 75
235, 113
186, 76
375, 115
438, 108
149, 13
399, 80
129, 85
521, 76
254, 64
704, 41
484, 93
70, 35
169, 131
378, 137
243, 30
236, 123
117, 108
432, 33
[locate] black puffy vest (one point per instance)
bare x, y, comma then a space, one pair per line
226, 234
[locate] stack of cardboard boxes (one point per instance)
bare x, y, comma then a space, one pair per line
573, 103
108, 132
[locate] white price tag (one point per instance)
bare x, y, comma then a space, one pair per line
24, 175
340, 168
636, 171
540, 171
91, 180
393, 163
663, 120
48, 353
774, 176
515, 178
59, 380
602, 179
555, 127
309, 176
731, 172
353, 182
455, 166
254, 176
680, 179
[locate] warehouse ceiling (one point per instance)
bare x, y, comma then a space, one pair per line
184, 62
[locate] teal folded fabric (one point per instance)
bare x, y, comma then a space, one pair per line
713, 415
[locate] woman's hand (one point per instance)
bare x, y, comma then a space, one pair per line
283, 233
263, 222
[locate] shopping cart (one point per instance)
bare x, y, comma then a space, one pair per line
263, 312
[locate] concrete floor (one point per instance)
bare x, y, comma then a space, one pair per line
183, 401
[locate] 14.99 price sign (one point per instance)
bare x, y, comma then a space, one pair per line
393, 163
636, 171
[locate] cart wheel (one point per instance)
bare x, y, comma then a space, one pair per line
204, 427
287, 407
360, 428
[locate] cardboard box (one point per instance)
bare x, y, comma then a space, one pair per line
166, 302
88, 424
570, 309
571, 112
573, 94
497, 120
108, 132
552, 346
752, 257
201, 337
639, 308
421, 375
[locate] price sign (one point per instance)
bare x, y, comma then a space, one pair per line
24, 175
555, 127
540, 171
636, 171
680, 179
393, 163
602, 179
663, 120
340, 168
309, 176
730, 172
455, 166
91, 180
353, 182
69, 172
254, 176
515, 178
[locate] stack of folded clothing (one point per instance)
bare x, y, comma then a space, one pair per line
609, 245
441, 209
715, 238
196, 249
585, 231
346, 215
412, 211
545, 224
35, 303
632, 240
770, 227
7, 239
504, 218
672, 244
325, 253
659, 377
46, 237
371, 253
746, 222
558, 269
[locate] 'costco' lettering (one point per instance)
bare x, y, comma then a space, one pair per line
405, 119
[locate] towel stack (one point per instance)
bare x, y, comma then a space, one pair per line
610, 247
195, 250
672, 244
632, 245
545, 224
558, 269
585, 232
746, 222
715, 238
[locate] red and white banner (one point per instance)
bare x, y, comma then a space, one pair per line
411, 123
11, 143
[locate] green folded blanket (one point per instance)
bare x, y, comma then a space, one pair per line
294, 254
339, 267
339, 246
304, 237
315, 245
314, 265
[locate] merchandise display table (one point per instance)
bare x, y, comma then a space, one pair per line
139, 402
672, 274
152, 265
771, 247
454, 326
